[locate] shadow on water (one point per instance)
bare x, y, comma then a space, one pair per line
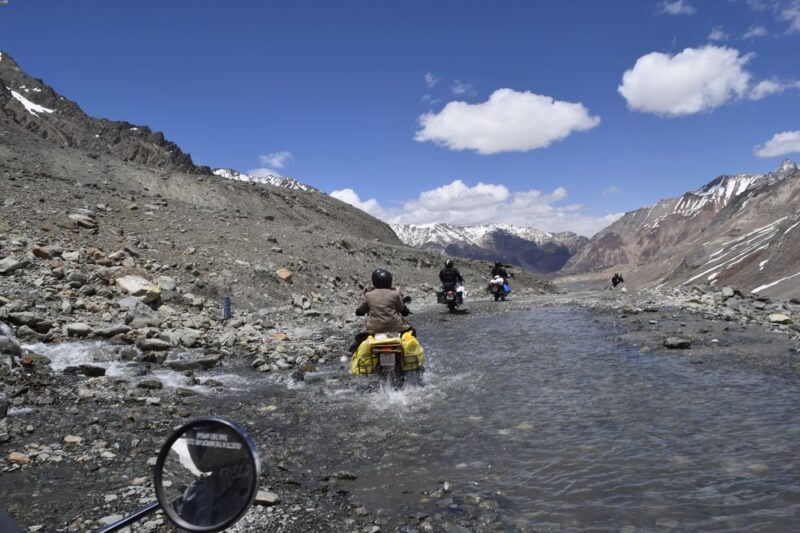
542, 415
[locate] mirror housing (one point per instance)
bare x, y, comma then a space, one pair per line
207, 474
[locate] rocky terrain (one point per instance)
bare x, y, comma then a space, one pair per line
113, 242
736, 230
528, 248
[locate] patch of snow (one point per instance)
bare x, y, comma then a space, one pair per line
275, 181
32, 108
768, 285
791, 228
762, 263
441, 234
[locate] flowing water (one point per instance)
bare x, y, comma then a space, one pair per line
542, 421
544, 415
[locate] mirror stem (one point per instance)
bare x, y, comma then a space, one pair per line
131, 518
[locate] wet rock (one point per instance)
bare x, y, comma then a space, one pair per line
150, 384
678, 343
9, 346
191, 361
153, 345
34, 359
139, 287
92, 371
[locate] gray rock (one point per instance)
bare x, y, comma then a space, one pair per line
9, 346
139, 287
191, 361
674, 343
78, 329
150, 384
112, 331
266, 498
166, 283
9, 265
153, 345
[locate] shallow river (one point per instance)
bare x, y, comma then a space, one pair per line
544, 414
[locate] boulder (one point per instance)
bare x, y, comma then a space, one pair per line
166, 283
112, 331
139, 287
41, 252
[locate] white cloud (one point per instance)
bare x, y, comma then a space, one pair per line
459, 88
276, 159
677, 7
263, 173
611, 190
766, 88
791, 14
695, 80
717, 34
431, 79
509, 121
787, 142
458, 203
755, 31
349, 196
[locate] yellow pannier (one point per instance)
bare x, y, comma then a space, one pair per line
364, 360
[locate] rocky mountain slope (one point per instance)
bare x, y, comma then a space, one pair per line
28, 104
218, 235
529, 248
739, 230
275, 181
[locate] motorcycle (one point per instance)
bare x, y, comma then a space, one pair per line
206, 477
452, 297
395, 357
498, 288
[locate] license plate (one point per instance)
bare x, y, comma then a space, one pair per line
387, 359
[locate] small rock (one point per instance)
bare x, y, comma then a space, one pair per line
284, 274
266, 498
677, 343
78, 329
150, 384
779, 318
72, 439
19, 458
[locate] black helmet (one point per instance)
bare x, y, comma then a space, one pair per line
448, 263
498, 263
382, 279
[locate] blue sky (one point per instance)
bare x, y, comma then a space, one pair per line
404, 108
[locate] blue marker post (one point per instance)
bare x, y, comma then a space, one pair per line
226, 308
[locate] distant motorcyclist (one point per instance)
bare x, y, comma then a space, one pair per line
499, 270
450, 276
616, 279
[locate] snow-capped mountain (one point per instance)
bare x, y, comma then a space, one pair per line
528, 248
276, 181
738, 230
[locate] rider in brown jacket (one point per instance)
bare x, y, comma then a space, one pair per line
384, 306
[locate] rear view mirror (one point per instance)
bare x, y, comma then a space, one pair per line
206, 476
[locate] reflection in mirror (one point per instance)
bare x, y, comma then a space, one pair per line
208, 476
